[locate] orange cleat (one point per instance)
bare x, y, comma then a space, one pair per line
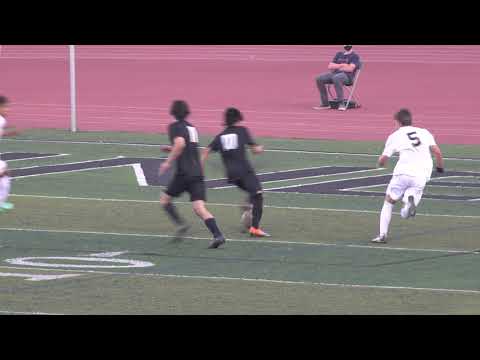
258, 233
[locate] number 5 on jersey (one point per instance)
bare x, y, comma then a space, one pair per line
412, 136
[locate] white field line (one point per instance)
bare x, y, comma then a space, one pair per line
236, 205
260, 241
302, 178
139, 175
363, 196
6, 312
158, 145
136, 169
72, 163
69, 171
326, 182
463, 185
428, 183
272, 172
36, 277
363, 187
281, 171
35, 157
281, 282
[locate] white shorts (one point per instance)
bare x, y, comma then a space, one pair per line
403, 186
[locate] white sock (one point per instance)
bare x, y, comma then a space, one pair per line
385, 217
4, 188
405, 207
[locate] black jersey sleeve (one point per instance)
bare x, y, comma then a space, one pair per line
170, 133
215, 145
248, 137
175, 131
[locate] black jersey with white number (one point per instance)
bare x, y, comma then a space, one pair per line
231, 144
188, 163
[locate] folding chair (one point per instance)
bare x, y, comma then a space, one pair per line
349, 88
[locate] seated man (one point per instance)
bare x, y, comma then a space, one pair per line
342, 71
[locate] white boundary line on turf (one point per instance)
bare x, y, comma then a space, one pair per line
326, 182
371, 186
363, 196
136, 169
26, 313
360, 187
273, 172
158, 145
303, 178
292, 170
283, 282
69, 171
463, 185
33, 158
261, 241
72, 163
140, 175
236, 205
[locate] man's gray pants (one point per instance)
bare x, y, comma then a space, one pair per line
337, 79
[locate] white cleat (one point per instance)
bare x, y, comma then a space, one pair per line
381, 239
321, 107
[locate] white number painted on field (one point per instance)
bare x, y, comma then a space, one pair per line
193, 134
229, 141
37, 277
95, 258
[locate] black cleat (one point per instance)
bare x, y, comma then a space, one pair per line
412, 211
216, 242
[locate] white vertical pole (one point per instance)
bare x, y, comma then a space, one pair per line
73, 90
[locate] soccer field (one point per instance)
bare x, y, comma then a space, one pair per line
89, 237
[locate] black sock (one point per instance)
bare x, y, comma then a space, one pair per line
212, 226
173, 214
257, 202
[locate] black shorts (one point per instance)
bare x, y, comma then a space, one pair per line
248, 183
195, 186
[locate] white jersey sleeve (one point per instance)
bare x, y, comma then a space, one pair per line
428, 138
390, 146
3, 125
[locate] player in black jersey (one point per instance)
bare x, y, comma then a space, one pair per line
231, 144
188, 175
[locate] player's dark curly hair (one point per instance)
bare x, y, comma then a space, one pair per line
404, 117
179, 110
3, 100
232, 116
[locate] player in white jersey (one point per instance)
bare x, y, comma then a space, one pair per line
4, 172
412, 172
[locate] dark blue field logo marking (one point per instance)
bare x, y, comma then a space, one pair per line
146, 171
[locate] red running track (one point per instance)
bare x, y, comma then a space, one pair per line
129, 88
